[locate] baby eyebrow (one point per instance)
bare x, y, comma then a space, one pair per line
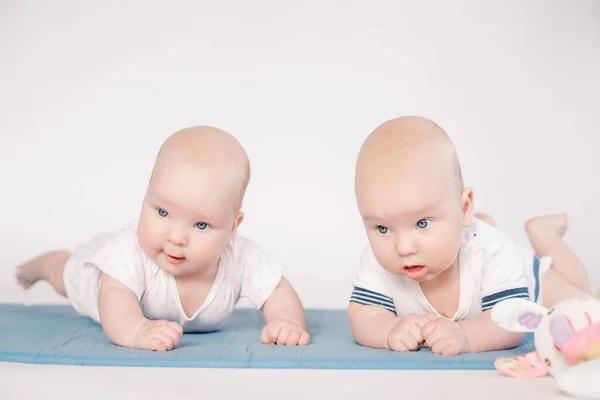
370, 218
157, 201
205, 219
417, 215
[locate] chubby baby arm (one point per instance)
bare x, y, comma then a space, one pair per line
484, 335
286, 323
124, 323
377, 327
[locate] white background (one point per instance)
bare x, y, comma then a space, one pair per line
88, 92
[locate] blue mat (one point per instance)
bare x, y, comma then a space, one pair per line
58, 335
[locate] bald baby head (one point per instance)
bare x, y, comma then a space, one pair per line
206, 148
405, 138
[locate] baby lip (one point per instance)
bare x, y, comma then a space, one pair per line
415, 272
174, 260
179, 258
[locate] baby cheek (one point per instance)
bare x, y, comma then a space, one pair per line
202, 251
147, 236
377, 247
388, 258
443, 252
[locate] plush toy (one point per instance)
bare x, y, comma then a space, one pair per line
567, 342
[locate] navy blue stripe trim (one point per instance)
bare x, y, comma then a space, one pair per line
536, 275
491, 305
514, 296
370, 292
370, 298
490, 301
372, 295
372, 304
505, 293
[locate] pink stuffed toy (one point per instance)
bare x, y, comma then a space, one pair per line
567, 342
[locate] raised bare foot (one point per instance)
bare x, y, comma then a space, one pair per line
485, 218
45, 267
30, 272
557, 223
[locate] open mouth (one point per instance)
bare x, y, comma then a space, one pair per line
415, 272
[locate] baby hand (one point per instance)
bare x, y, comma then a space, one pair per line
444, 336
406, 335
158, 335
284, 332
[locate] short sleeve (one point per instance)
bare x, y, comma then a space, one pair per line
504, 276
260, 275
121, 258
371, 284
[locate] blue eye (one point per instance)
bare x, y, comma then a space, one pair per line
382, 229
424, 223
162, 212
202, 225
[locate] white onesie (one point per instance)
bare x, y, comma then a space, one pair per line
492, 268
244, 271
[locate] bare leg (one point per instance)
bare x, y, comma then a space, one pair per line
485, 218
545, 234
48, 267
566, 277
557, 288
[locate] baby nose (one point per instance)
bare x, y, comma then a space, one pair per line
178, 238
405, 246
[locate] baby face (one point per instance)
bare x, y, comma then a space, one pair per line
413, 213
188, 216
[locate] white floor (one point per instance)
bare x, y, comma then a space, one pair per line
24, 381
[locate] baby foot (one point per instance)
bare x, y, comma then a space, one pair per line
557, 223
29, 273
42, 267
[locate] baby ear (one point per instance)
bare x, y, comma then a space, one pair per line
238, 220
466, 197
518, 315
